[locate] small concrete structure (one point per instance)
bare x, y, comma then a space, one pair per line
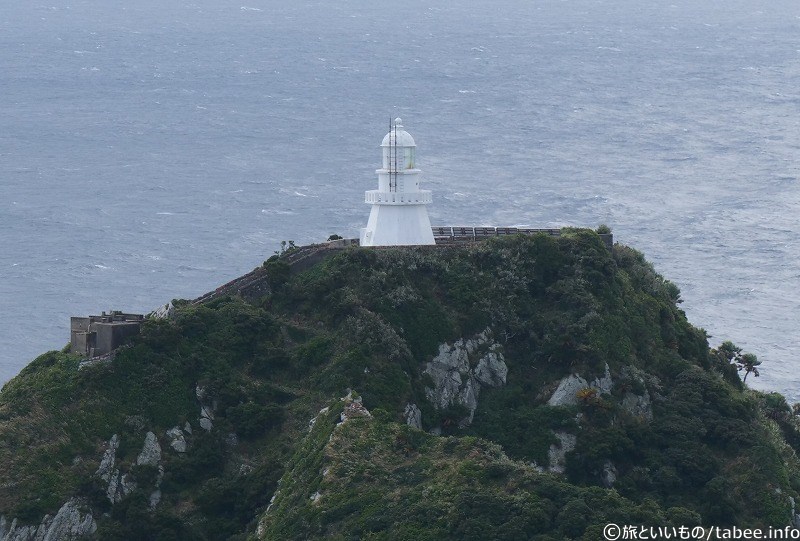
95, 336
399, 216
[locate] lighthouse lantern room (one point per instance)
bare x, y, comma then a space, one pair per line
399, 214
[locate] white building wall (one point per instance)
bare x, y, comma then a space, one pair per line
399, 216
397, 225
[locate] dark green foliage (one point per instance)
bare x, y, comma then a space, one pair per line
207, 459
277, 272
250, 420
369, 320
379, 485
525, 431
228, 503
132, 520
311, 354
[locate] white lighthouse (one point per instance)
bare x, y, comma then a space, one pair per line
399, 215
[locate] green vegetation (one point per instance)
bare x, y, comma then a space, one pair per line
391, 482
703, 449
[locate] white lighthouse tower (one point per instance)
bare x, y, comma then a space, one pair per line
399, 215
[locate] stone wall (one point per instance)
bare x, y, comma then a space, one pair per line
255, 284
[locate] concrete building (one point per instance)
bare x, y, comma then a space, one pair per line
94, 336
399, 214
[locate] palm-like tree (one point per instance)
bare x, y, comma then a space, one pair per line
728, 353
748, 362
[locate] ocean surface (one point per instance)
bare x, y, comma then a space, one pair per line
154, 150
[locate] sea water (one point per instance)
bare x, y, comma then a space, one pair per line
154, 150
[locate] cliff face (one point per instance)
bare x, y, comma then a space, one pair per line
524, 387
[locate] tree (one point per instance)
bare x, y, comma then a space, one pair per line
286, 247
748, 362
729, 354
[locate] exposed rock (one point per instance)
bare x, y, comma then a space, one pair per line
492, 370
113, 488
413, 416
187, 428
206, 412
313, 421
67, 525
469, 398
160, 476
536, 467
567, 390
456, 382
446, 370
200, 392
231, 440
106, 469
609, 474
155, 499
604, 384
354, 409
316, 497
176, 439
119, 486
151, 451
638, 405
271, 503
163, 312
206, 418
22, 533
794, 516
558, 452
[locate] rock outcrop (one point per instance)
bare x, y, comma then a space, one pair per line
413, 416
794, 516
176, 439
557, 454
459, 371
353, 408
206, 418
106, 468
609, 474
566, 394
150, 455
119, 484
638, 405
151, 451
567, 390
163, 312
68, 524
637, 402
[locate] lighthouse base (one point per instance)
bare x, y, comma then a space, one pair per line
397, 225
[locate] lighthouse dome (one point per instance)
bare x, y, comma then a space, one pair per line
403, 138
